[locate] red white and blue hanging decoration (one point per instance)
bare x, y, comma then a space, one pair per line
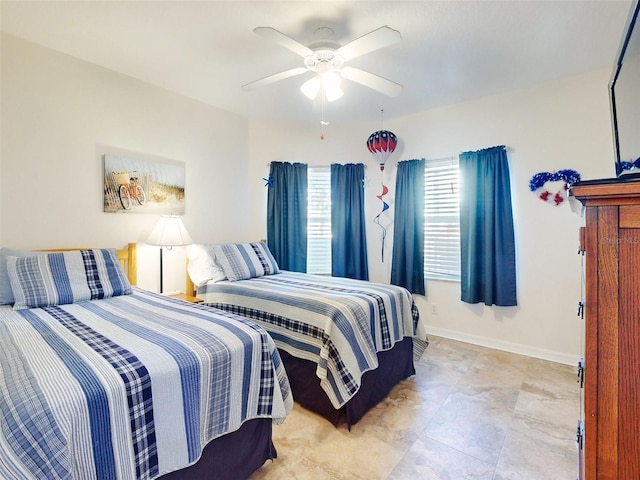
381, 144
538, 185
630, 165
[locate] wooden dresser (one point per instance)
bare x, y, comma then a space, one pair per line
609, 442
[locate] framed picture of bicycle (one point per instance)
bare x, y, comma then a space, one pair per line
143, 186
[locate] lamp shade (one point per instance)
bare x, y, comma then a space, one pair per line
311, 87
169, 232
331, 86
328, 84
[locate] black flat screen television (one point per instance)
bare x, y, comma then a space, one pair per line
624, 94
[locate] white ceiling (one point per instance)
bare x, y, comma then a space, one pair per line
451, 51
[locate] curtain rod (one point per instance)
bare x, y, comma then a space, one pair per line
452, 157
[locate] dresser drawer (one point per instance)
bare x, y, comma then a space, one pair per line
629, 216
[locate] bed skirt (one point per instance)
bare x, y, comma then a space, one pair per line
234, 456
393, 366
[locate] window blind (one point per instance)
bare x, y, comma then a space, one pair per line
319, 220
442, 219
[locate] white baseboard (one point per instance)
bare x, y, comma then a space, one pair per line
544, 354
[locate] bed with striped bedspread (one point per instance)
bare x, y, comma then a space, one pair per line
128, 387
340, 324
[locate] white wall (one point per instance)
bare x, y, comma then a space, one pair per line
559, 125
60, 114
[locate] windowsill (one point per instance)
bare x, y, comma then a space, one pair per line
450, 280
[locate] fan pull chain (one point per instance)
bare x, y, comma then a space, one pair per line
323, 123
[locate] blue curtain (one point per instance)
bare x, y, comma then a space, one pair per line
487, 240
348, 237
287, 215
407, 264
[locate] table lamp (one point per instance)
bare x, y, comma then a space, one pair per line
168, 232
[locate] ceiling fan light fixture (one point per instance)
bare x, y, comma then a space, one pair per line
331, 86
329, 83
311, 87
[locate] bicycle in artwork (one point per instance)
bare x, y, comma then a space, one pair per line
129, 189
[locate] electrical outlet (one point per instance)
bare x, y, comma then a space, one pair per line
434, 309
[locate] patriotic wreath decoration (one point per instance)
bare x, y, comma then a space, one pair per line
630, 165
539, 180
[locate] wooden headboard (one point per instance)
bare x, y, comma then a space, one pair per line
190, 287
127, 256
129, 260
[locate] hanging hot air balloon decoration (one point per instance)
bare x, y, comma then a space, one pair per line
381, 144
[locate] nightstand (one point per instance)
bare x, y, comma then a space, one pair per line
185, 297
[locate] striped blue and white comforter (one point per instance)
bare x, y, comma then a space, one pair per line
128, 387
339, 323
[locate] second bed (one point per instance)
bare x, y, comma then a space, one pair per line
345, 343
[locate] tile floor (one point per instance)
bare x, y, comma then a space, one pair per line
469, 413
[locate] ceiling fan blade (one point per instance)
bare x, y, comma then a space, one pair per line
282, 39
370, 80
274, 78
379, 38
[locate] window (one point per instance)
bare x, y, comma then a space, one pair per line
441, 226
442, 219
319, 220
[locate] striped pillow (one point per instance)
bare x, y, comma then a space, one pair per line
241, 261
66, 277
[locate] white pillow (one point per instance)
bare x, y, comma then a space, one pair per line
202, 266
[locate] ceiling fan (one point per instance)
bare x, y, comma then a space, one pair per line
328, 60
